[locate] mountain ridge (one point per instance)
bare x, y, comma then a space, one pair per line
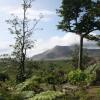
62, 52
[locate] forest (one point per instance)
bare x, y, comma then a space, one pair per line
61, 73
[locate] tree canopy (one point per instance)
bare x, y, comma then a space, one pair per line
81, 17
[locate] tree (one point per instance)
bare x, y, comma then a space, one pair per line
75, 56
22, 30
81, 17
85, 57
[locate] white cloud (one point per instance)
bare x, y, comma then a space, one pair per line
31, 13
4, 47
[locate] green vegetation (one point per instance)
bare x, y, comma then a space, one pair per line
47, 80
21, 78
48, 95
80, 17
79, 78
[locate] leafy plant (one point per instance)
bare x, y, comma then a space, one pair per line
8, 93
55, 78
31, 84
78, 77
48, 95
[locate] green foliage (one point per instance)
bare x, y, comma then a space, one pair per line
98, 94
56, 78
92, 68
48, 95
35, 68
37, 82
31, 84
8, 93
78, 77
27, 94
85, 95
79, 16
8, 96
22, 31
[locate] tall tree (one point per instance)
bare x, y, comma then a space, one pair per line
85, 57
81, 17
22, 30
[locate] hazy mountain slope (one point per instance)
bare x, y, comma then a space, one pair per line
62, 52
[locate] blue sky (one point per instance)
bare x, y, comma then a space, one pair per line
47, 38
48, 26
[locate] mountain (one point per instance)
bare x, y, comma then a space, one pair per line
62, 52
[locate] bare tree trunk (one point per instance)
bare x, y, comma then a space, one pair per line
81, 53
22, 62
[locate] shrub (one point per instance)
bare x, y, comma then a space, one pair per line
31, 84
56, 78
78, 77
48, 95
7, 94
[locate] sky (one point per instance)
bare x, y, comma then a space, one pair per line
47, 38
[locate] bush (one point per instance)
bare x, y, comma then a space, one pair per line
31, 84
56, 78
78, 77
7, 94
48, 95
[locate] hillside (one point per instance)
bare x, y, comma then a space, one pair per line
62, 52
58, 52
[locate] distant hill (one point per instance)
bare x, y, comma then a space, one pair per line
62, 52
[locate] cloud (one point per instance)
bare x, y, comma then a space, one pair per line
31, 13
43, 45
4, 47
66, 40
